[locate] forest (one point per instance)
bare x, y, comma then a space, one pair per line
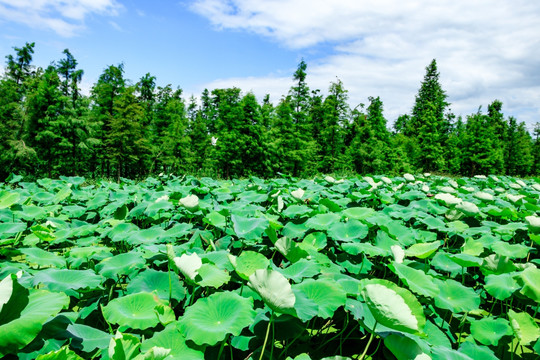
135, 129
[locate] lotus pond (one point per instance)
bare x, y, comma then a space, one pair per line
423, 267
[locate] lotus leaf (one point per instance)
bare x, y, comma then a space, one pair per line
136, 311
393, 306
489, 331
211, 319
171, 338
328, 295
524, 327
456, 297
273, 288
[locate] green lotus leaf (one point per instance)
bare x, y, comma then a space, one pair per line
524, 327
465, 260
216, 219
497, 264
423, 250
171, 338
9, 228
513, 251
249, 261
531, 283
455, 297
501, 286
41, 257
442, 261
358, 213
322, 221
301, 269
444, 353
328, 295
476, 351
19, 332
136, 311
316, 239
249, 228
7, 199
124, 346
273, 288
32, 212
363, 248
63, 353
13, 299
164, 284
294, 211
393, 306
488, 331
211, 275
349, 231
118, 265
416, 280
404, 348
89, 338
294, 231
212, 318
288, 248
65, 280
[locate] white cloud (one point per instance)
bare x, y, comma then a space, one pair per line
485, 49
65, 17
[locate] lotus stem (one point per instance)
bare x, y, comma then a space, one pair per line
266, 336
221, 348
369, 342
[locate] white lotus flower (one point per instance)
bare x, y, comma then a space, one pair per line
408, 177
484, 196
448, 199
298, 194
386, 180
214, 141
190, 202
514, 198
398, 252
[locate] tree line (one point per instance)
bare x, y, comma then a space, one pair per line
125, 129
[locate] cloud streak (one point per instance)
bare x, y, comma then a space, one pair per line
486, 49
65, 17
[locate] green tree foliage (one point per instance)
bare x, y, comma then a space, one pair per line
370, 150
125, 129
428, 123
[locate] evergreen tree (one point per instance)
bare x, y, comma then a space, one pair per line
331, 139
370, 150
519, 158
105, 93
128, 150
428, 123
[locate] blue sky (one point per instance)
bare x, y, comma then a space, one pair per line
486, 49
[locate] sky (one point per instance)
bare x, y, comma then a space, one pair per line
485, 49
